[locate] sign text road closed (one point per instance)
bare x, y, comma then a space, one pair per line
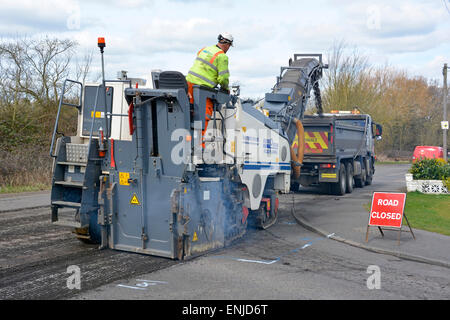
387, 209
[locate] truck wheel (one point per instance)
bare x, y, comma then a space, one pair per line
340, 187
349, 177
360, 180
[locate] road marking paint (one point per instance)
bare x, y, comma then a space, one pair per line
258, 261
268, 262
289, 223
131, 287
143, 284
154, 281
248, 260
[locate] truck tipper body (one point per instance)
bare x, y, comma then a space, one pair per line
338, 151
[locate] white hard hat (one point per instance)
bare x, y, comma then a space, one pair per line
227, 37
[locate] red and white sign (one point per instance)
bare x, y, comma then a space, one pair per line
387, 209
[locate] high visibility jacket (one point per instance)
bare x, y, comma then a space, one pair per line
210, 68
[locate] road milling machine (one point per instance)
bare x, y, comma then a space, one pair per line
141, 175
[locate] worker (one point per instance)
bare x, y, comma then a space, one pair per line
210, 69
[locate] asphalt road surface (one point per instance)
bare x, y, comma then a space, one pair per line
284, 262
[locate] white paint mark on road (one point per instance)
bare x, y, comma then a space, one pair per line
130, 287
143, 284
153, 281
258, 261
290, 223
268, 262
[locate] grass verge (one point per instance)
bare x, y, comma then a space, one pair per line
392, 162
428, 212
18, 189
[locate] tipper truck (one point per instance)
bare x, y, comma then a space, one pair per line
338, 150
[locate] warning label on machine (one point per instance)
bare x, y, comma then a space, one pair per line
123, 178
134, 200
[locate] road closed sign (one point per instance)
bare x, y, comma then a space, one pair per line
387, 209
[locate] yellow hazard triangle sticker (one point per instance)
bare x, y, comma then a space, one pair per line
194, 238
134, 200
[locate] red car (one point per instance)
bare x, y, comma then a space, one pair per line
427, 152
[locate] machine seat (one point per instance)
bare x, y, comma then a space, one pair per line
172, 80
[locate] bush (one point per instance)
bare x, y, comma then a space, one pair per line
430, 169
26, 166
447, 183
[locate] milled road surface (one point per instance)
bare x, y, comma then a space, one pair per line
35, 255
284, 262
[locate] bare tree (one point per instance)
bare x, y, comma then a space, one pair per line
408, 107
34, 69
32, 72
83, 68
346, 80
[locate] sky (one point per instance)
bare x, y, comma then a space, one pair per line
144, 35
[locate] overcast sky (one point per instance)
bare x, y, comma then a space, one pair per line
143, 35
